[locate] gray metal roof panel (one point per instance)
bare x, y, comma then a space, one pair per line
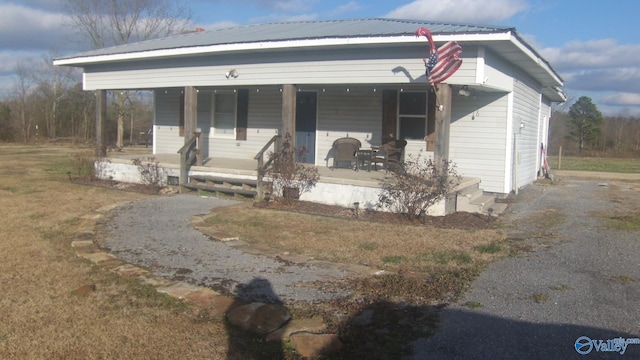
302, 30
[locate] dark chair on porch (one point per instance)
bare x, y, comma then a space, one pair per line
389, 155
344, 151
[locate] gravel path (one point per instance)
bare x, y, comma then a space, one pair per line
156, 233
582, 279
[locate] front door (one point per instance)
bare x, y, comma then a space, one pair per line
306, 114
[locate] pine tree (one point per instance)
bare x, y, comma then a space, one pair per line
586, 122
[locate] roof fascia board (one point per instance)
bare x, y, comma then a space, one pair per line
199, 50
536, 58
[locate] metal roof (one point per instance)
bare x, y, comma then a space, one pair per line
288, 31
505, 41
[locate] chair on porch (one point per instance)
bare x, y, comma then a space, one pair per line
389, 155
344, 151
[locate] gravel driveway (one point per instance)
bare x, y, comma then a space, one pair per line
157, 233
582, 279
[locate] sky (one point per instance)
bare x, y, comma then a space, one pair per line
593, 44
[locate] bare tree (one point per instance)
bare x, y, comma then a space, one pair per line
103, 23
22, 90
53, 85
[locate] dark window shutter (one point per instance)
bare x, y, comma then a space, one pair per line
242, 114
389, 115
181, 117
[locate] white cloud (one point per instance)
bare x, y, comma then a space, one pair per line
283, 17
624, 79
622, 99
594, 54
22, 28
474, 11
290, 5
351, 6
217, 25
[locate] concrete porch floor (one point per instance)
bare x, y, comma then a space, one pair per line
248, 167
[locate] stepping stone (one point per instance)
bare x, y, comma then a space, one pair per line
108, 208
91, 216
98, 257
311, 346
84, 235
223, 304
259, 318
153, 280
204, 297
178, 290
313, 325
81, 243
128, 270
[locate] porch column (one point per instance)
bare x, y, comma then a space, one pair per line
190, 112
289, 113
443, 124
101, 121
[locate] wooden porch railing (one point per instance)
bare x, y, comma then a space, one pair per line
264, 166
189, 154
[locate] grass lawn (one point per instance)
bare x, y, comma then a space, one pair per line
614, 165
44, 316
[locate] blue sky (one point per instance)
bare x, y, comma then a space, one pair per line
593, 44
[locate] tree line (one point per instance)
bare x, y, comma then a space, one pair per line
47, 103
583, 130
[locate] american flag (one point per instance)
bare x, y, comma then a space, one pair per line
448, 62
443, 62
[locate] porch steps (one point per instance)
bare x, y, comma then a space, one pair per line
473, 199
240, 188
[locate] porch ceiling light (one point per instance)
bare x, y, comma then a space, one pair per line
464, 91
233, 73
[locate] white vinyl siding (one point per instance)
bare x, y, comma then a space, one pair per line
265, 120
478, 137
496, 72
356, 113
526, 117
396, 65
166, 119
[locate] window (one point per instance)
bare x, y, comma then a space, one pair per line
230, 114
412, 115
224, 116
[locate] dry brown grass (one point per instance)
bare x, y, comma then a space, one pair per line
385, 246
50, 310
41, 316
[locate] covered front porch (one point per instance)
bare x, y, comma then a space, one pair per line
336, 186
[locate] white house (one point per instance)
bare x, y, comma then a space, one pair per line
323, 80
